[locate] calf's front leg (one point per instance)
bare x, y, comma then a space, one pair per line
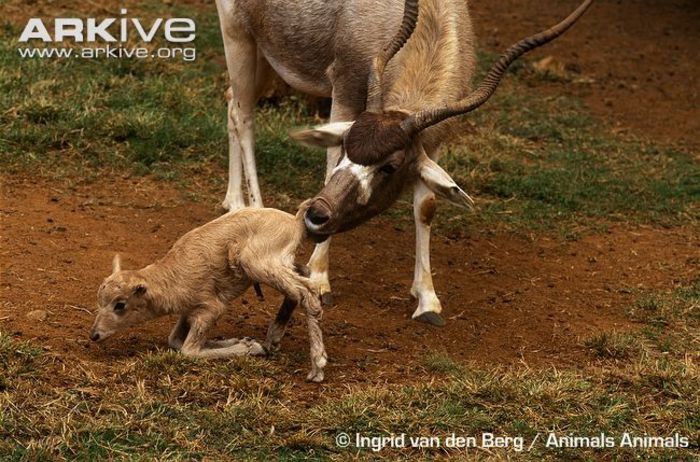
197, 345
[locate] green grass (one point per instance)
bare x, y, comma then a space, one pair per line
532, 162
613, 345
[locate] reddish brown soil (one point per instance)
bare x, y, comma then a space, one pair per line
641, 54
507, 299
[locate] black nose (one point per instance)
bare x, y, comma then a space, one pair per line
317, 216
94, 336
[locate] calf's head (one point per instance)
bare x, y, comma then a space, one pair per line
382, 151
122, 301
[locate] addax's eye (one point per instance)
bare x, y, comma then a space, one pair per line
119, 307
387, 169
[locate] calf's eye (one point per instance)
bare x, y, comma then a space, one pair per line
119, 306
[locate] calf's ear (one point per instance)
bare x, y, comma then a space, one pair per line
324, 136
116, 263
441, 183
140, 289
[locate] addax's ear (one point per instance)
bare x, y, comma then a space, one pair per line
324, 136
442, 184
116, 264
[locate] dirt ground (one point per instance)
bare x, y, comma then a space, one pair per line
507, 299
639, 58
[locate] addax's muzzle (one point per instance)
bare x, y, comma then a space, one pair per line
317, 215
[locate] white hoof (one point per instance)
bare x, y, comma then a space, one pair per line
427, 303
320, 282
317, 365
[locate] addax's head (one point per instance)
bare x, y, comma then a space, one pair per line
378, 159
382, 150
122, 302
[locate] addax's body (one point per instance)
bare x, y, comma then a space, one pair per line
399, 73
201, 275
325, 48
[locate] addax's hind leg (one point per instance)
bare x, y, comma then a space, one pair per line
249, 73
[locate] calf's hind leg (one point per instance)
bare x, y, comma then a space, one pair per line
297, 289
319, 358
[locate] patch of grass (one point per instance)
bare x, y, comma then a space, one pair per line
680, 305
538, 163
17, 360
614, 345
440, 363
672, 319
168, 407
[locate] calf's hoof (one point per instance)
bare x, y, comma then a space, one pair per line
315, 376
254, 348
432, 318
271, 347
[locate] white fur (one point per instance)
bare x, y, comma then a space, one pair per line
363, 174
422, 288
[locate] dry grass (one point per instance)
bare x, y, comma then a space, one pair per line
166, 407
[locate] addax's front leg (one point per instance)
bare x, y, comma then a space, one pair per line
318, 263
429, 307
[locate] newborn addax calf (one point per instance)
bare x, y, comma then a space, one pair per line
203, 272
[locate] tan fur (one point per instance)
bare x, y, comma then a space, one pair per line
204, 272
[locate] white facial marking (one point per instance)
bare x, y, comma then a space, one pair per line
363, 174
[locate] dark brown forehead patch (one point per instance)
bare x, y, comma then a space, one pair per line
373, 137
